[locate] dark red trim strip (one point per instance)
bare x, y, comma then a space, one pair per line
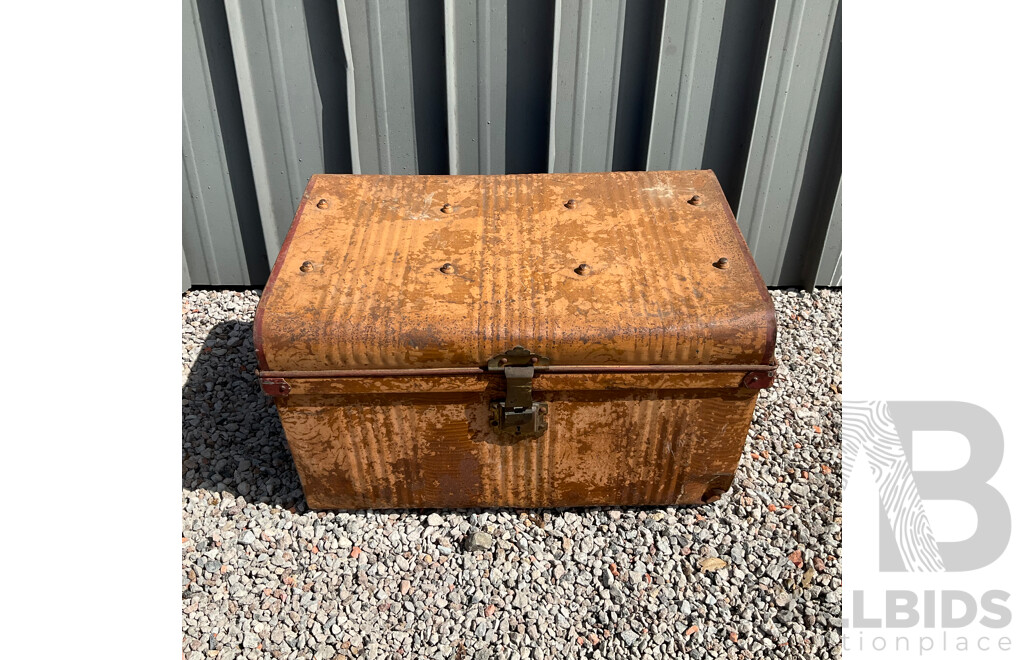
577, 369
275, 386
257, 326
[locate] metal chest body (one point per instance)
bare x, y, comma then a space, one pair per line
543, 340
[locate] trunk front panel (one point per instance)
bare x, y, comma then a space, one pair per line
425, 450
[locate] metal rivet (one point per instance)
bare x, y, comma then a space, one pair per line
582, 269
447, 269
447, 208
571, 204
695, 200
306, 266
712, 495
503, 361
722, 263
322, 204
534, 359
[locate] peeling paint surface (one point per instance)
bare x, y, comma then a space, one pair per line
373, 295
630, 447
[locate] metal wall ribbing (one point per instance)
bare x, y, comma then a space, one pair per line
275, 91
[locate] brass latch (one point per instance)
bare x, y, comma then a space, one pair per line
518, 415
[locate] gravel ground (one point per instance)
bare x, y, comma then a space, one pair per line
757, 574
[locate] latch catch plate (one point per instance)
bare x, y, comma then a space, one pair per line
518, 416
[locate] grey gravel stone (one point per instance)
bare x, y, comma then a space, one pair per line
521, 600
479, 541
264, 577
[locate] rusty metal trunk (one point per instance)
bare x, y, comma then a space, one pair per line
519, 340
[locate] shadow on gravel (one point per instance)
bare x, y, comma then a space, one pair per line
232, 440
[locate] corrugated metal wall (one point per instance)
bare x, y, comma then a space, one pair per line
273, 92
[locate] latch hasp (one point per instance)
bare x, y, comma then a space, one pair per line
518, 415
